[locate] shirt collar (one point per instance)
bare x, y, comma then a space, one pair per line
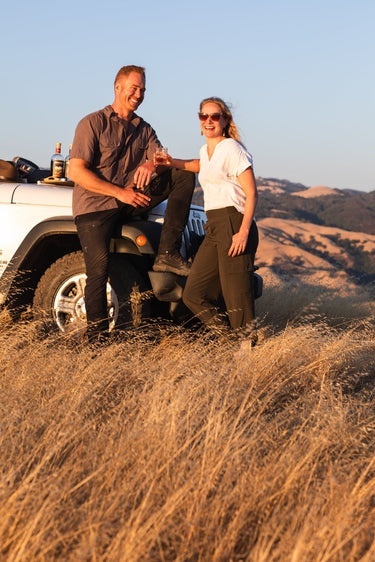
110, 112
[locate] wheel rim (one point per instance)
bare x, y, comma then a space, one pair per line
69, 308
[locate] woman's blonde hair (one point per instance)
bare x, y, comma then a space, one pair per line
230, 130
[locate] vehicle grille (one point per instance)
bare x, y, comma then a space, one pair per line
194, 232
196, 225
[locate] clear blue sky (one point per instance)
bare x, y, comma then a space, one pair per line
299, 75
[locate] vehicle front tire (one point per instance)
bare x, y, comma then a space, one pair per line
59, 297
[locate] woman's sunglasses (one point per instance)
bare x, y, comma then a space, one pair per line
205, 116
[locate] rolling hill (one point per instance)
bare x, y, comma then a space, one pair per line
321, 234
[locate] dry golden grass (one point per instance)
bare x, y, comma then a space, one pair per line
167, 447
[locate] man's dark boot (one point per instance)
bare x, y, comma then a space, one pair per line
171, 262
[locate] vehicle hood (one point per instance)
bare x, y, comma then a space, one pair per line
33, 194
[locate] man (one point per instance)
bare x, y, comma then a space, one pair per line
111, 164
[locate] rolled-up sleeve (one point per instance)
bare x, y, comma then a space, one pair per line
152, 145
85, 142
241, 161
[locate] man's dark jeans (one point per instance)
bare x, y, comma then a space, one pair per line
95, 231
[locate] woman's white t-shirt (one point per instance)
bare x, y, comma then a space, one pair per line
218, 177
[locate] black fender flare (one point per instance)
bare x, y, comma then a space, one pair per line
126, 235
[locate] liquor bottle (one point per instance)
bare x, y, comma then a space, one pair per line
57, 163
67, 158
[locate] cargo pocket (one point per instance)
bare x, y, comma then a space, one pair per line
233, 224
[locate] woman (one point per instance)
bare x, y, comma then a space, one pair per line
224, 262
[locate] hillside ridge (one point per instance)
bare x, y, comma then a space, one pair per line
322, 234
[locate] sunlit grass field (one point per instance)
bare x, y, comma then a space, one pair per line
170, 447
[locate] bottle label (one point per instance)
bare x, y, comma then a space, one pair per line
58, 169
